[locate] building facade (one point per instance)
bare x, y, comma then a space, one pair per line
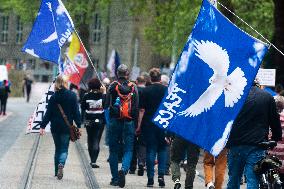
118, 31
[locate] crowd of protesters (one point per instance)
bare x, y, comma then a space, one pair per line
126, 108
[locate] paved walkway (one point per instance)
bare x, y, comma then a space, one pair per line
16, 147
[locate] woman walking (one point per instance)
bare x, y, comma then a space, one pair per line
92, 107
59, 129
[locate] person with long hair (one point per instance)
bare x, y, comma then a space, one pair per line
59, 129
92, 109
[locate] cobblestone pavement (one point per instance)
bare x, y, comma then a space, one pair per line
16, 146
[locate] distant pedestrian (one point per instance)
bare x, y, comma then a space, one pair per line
156, 141
4, 94
92, 109
122, 100
215, 167
251, 127
28, 87
59, 129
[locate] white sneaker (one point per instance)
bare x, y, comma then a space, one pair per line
210, 185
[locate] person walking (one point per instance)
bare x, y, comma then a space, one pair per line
59, 129
279, 149
28, 87
155, 138
122, 100
178, 149
92, 109
4, 94
250, 128
219, 164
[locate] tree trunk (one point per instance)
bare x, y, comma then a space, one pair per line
279, 40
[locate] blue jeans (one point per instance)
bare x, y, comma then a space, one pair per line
61, 142
120, 133
242, 158
153, 150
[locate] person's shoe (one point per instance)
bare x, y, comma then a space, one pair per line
177, 184
131, 172
168, 172
93, 165
140, 171
4, 114
161, 181
121, 179
150, 182
113, 183
210, 185
60, 171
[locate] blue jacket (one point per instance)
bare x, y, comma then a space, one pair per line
68, 100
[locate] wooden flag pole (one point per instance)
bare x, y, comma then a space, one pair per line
88, 55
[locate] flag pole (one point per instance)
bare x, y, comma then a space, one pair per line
87, 54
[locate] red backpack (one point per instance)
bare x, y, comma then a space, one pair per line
125, 101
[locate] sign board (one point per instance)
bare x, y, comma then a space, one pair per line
3, 73
266, 77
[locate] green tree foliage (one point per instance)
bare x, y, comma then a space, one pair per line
172, 20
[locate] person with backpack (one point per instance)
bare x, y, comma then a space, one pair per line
4, 94
122, 100
92, 109
155, 138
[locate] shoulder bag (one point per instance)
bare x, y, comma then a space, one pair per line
74, 131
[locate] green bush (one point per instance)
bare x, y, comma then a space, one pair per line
16, 77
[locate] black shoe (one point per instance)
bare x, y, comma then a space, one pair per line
93, 165
140, 171
161, 181
177, 184
211, 187
150, 182
121, 179
60, 172
113, 183
131, 172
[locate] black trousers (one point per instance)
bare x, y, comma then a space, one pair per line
94, 132
3, 103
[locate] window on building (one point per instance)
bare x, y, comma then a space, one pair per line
31, 64
18, 64
96, 30
19, 31
2, 61
4, 29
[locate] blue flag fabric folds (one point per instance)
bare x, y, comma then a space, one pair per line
52, 28
211, 81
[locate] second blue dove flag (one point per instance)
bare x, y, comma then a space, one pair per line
211, 81
52, 28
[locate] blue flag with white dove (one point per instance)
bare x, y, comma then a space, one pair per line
52, 28
211, 81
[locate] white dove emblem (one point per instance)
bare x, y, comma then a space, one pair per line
232, 85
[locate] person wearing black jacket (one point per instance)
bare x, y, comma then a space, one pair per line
92, 109
59, 129
4, 94
251, 127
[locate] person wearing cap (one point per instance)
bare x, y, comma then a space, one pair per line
122, 100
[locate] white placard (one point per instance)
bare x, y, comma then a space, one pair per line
266, 77
3, 73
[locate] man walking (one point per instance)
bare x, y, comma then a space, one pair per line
122, 100
249, 129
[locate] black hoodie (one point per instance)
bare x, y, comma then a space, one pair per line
68, 100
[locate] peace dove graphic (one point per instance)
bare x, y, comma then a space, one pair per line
232, 85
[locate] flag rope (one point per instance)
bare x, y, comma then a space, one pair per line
87, 55
270, 43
